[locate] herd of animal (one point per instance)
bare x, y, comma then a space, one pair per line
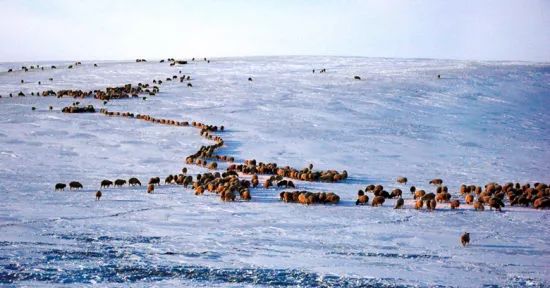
229, 183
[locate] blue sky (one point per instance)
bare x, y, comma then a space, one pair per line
127, 29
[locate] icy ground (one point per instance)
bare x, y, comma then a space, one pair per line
481, 122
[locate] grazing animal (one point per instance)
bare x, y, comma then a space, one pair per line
428, 197
402, 180
97, 195
378, 201
134, 181
245, 195
106, 183
396, 193
496, 203
154, 180
150, 188
455, 204
432, 204
60, 186
542, 203
465, 239
362, 200
356, 77
419, 194
399, 204
436, 181
478, 206
120, 182
75, 185
419, 203
469, 199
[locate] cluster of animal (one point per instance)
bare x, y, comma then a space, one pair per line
308, 198
77, 109
120, 182
226, 185
305, 174
494, 194
72, 185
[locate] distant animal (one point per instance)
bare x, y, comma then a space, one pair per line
465, 239
249, 78
455, 204
419, 203
60, 186
150, 188
478, 206
399, 203
436, 181
362, 200
412, 189
106, 183
378, 201
75, 185
469, 198
402, 180
356, 77
189, 85
134, 181
97, 195
438, 76
432, 204
154, 180
120, 182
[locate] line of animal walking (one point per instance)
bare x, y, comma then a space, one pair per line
228, 184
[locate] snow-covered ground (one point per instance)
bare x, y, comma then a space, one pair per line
481, 122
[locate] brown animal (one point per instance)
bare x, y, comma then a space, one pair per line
496, 203
443, 197
60, 186
455, 204
154, 180
478, 206
97, 195
428, 197
419, 204
150, 188
362, 200
168, 179
436, 181
268, 183
134, 181
469, 199
432, 204
396, 193
378, 201
465, 239
399, 203
75, 185
402, 180
245, 195
542, 203
106, 183
419, 193
120, 182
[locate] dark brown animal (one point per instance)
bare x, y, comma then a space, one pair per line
120, 182
60, 186
106, 183
478, 206
75, 185
134, 181
465, 239
432, 204
97, 195
399, 203
455, 204
154, 180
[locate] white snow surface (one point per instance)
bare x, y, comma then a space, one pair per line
481, 122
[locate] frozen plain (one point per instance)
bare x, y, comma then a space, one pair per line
481, 122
